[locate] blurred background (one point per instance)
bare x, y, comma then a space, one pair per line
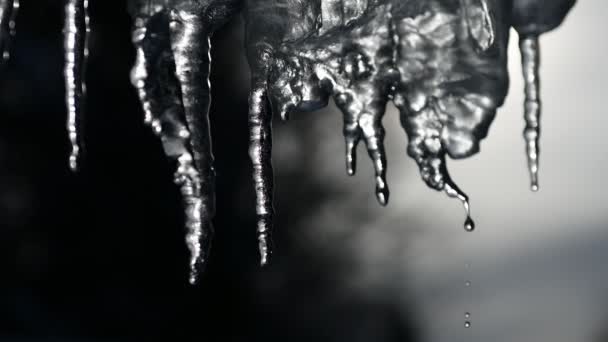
100, 256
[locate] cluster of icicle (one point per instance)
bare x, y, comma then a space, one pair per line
441, 62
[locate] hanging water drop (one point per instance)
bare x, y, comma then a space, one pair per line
469, 224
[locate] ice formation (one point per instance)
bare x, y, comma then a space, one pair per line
443, 63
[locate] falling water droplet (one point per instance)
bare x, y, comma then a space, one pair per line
467, 324
467, 283
467, 315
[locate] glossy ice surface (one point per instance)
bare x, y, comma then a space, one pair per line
442, 63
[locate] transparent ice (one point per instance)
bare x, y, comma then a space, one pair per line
442, 63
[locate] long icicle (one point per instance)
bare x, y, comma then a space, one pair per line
530, 56
191, 47
260, 150
76, 31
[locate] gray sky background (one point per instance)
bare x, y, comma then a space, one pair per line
537, 260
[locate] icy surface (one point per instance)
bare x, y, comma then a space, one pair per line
442, 63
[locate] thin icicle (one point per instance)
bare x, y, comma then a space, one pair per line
191, 48
260, 150
76, 30
9, 9
530, 57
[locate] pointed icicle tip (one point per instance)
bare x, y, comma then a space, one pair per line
351, 156
530, 57
373, 134
382, 194
378, 157
264, 239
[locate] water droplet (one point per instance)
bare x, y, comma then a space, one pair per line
467, 283
467, 324
467, 315
469, 225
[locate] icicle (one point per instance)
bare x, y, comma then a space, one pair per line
199, 229
9, 10
153, 75
191, 47
260, 151
530, 56
76, 30
373, 133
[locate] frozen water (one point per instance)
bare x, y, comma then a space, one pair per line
441, 63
